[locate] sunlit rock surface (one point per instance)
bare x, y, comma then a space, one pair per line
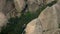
33, 27
49, 18
46, 23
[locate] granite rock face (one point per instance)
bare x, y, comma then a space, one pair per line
33, 27
48, 19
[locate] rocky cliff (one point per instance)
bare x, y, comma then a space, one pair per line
48, 19
31, 16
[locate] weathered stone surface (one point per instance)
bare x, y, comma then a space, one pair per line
2, 3
3, 20
48, 1
19, 5
8, 8
46, 23
57, 7
52, 16
33, 27
49, 18
33, 5
57, 31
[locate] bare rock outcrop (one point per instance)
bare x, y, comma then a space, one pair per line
46, 23
48, 1
33, 27
49, 19
33, 5
19, 5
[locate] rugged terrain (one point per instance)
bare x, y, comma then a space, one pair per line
29, 17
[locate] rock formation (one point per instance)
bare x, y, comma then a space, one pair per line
33, 5
48, 1
49, 18
34, 27
19, 5
46, 23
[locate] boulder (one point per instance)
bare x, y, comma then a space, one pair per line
33, 27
